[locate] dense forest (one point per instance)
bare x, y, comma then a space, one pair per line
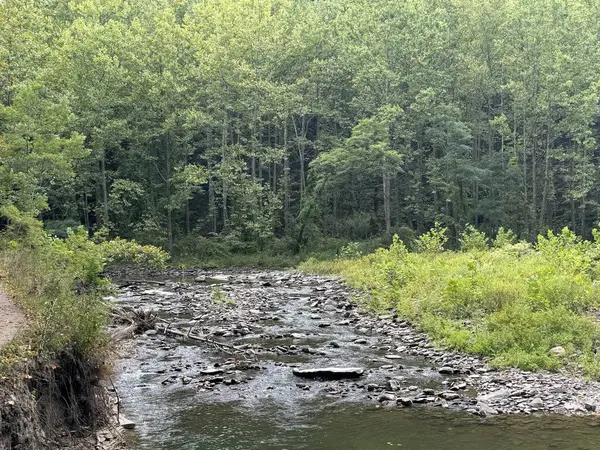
292, 123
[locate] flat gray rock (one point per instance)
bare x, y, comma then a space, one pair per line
330, 373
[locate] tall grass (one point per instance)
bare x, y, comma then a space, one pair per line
58, 284
511, 302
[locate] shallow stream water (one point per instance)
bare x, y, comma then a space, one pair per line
176, 406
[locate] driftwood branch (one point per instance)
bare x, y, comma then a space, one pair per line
227, 348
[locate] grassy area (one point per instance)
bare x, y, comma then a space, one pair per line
511, 302
57, 283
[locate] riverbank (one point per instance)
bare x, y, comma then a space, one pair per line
240, 336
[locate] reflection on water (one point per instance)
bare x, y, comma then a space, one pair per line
313, 426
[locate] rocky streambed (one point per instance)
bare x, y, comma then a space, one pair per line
290, 337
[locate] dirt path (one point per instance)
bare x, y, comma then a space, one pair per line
12, 319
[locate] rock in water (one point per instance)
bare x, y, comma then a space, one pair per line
126, 423
558, 352
330, 373
387, 398
486, 410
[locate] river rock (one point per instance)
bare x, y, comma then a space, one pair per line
449, 395
214, 371
485, 410
496, 395
537, 403
330, 373
126, 423
387, 398
558, 352
392, 385
405, 401
589, 406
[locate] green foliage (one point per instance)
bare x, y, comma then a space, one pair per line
473, 240
351, 250
504, 238
220, 297
511, 304
434, 240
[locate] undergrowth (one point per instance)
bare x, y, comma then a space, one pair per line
50, 372
512, 302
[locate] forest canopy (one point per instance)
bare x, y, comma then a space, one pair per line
293, 122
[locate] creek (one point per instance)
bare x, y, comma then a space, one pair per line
231, 384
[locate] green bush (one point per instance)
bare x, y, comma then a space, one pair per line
350, 251
504, 238
473, 240
434, 241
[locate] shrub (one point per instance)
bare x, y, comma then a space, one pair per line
351, 250
504, 238
434, 240
473, 240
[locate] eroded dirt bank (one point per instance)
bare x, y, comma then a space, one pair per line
238, 336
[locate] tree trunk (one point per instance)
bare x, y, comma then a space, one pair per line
386, 202
286, 179
223, 155
105, 219
169, 195
546, 181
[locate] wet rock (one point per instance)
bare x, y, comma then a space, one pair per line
214, 371
330, 373
360, 341
459, 385
495, 395
334, 344
393, 356
589, 406
324, 324
405, 401
386, 398
392, 385
126, 423
537, 403
446, 370
449, 395
485, 410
